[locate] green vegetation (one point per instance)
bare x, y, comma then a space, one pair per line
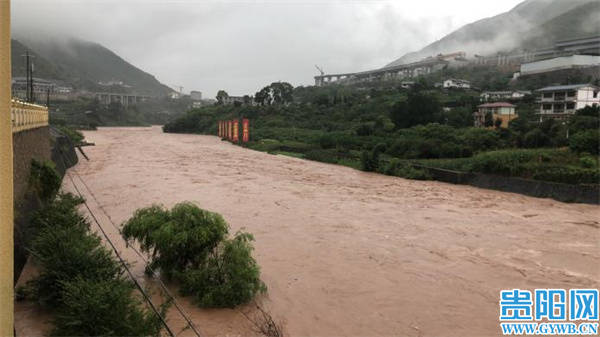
80, 280
368, 127
190, 245
75, 136
44, 180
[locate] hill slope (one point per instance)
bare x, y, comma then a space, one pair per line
82, 64
542, 19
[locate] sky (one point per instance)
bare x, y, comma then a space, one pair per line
242, 46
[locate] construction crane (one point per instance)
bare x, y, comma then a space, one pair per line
320, 70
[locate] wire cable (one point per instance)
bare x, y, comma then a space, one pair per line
135, 281
160, 282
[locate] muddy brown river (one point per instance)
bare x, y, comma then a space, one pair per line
342, 252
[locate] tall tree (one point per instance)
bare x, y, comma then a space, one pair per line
221, 96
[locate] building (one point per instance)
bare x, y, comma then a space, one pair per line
232, 100
559, 63
559, 102
456, 83
503, 111
41, 87
196, 95
495, 96
107, 98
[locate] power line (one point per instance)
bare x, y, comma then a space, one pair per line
160, 282
135, 281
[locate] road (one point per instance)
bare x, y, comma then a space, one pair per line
345, 252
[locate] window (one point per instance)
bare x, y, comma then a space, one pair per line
571, 94
570, 106
558, 108
595, 94
547, 95
547, 107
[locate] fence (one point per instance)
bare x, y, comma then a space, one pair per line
27, 116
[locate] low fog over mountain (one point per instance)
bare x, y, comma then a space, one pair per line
531, 24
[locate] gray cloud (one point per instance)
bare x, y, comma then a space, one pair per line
242, 46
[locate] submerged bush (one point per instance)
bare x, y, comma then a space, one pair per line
176, 239
229, 277
190, 245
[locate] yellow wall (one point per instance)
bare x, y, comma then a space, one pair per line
6, 177
505, 119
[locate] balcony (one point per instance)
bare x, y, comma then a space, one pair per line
27, 116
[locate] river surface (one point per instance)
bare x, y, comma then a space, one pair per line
342, 252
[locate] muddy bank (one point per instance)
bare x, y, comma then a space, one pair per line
345, 252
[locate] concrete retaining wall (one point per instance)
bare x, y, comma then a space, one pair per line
42, 144
588, 194
28, 145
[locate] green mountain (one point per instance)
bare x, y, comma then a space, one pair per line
82, 64
531, 24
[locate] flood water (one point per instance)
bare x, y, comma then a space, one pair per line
343, 252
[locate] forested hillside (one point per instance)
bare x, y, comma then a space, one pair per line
388, 129
81, 64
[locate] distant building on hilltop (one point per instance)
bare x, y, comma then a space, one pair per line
559, 102
559, 63
503, 111
239, 100
456, 83
40, 87
196, 95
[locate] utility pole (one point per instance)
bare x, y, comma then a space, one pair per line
6, 178
29, 95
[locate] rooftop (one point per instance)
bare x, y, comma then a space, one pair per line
567, 87
496, 105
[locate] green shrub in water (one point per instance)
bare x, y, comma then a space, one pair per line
190, 245
229, 277
177, 239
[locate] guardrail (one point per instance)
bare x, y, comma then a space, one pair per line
27, 116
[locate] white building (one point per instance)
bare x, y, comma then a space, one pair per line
560, 63
456, 83
231, 100
196, 95
561, 101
